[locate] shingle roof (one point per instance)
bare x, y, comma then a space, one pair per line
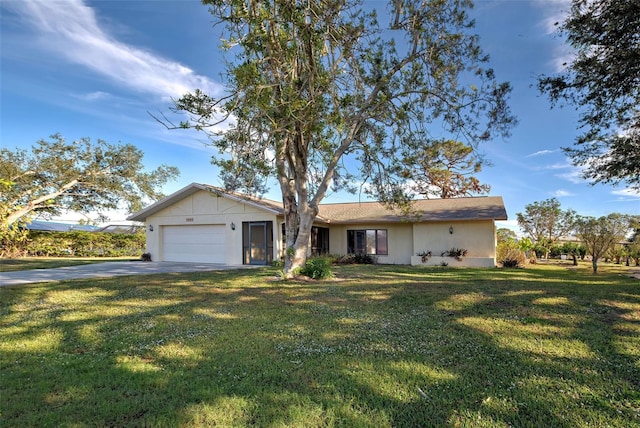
472, 208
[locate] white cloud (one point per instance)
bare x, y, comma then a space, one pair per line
541, 152
574, 176
627, 194
95, 96
557, 165
554, 13
562, 57
560, 193
71, 29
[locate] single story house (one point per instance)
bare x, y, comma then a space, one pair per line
203, 223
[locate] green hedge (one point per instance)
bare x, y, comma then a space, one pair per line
84, 244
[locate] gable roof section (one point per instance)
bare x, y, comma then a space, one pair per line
455, 209
264, 204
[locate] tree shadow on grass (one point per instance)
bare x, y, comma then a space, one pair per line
397, 349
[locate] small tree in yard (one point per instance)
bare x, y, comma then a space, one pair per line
601, 234
79, 176
323, 95
545, 222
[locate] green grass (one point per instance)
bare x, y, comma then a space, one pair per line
27, 263
376, 346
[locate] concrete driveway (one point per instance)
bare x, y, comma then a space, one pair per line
105, 270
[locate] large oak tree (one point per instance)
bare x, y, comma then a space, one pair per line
329, 94
80, 176
603, 83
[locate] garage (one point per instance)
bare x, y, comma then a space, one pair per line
194, 243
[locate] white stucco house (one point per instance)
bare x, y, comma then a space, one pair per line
203, 223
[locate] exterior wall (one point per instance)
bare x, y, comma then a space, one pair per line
477, 237
404, 240
399, 240
207, 208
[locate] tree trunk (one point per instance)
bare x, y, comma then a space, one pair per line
291, 222
298, 234
594, 263
36, 204
301, 245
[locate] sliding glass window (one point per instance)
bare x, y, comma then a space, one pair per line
367, 241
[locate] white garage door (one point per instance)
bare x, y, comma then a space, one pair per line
201, 243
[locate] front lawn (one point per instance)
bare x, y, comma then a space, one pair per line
378, 346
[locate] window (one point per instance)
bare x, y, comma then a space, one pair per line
319, 241
369, 241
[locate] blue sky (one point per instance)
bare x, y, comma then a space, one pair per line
96, 68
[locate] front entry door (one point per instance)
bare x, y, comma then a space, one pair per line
257, 238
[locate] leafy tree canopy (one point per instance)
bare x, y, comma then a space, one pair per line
329, 94
603, 80
545, 222
80, 176
601, 234
504, 234
444, 169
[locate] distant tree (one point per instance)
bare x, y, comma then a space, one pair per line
601, 234
575, 250
545, 222
633, 252
316, 85
505, 234
79, 176
603, 81
615, 253
444, 169
636, 230
633, 247
527, 246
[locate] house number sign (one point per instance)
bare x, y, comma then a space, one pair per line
189, 219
